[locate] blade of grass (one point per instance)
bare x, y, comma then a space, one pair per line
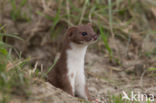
83, 11
51, 67
68, 10
11, 35
104, 38
90, 13
23, 2
2, 44
56, 19
2, 27
151, 69
110, 17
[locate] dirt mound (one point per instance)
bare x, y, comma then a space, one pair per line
46, 93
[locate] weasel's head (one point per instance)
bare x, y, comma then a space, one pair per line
82, 34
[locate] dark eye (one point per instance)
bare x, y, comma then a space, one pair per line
84, 33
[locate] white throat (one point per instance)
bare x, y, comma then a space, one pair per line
77, 51
76, 56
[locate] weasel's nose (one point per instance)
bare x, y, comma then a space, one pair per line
95, 37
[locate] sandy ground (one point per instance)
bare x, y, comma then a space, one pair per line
104, 82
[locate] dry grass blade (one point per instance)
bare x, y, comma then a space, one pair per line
83, 11
110, 17
68, 10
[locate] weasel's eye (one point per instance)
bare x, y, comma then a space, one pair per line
84, 33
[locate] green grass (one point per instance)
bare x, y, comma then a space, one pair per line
16, 12
105, 40
44, 75
151, 69
106, 16
13, 78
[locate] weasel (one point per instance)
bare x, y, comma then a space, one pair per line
68, 74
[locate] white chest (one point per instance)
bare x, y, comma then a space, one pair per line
75, 63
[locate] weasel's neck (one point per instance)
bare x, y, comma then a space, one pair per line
76, 56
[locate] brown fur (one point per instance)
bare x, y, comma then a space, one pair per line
57, 76
74, 34
87, 92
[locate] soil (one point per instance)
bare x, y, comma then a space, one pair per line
104, 81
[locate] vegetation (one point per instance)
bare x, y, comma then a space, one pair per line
13, 79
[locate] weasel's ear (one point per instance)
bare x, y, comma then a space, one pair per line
71, 31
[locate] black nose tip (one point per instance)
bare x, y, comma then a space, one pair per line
95, 37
